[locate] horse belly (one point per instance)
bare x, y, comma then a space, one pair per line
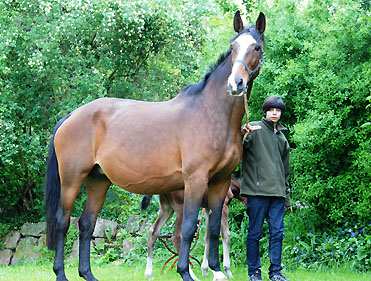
150, 170
154, 185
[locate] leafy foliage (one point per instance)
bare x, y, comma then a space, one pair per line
348, 245
318, 60
56, 56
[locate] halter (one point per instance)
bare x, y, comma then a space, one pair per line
252, 72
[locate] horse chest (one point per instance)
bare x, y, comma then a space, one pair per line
229, 160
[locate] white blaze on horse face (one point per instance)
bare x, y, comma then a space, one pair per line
243, 41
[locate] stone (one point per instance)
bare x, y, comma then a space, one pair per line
6, 257
75, 251
42, 241
127, 245
98, 241
74, 221
133, 224
26, 250
11, 240
105, 229
33, 229
146, 224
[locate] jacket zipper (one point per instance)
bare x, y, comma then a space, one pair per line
257, 176
276, 161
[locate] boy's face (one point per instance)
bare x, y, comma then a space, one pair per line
273, 114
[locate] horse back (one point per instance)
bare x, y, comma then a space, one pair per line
133, 142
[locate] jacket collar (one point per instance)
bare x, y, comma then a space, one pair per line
269, 124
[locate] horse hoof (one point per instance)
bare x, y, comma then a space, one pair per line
148, 276
219, 276
228, 272
186, 276
205, 272
88, 277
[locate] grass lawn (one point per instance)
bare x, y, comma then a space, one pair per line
133, 272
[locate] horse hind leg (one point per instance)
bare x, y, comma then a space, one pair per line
96, 190
166, 211
226, 238
69, 193
205, 259
176, 238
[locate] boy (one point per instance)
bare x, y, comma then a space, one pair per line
265, 175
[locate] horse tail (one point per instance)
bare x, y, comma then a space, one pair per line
52, 190
145, 202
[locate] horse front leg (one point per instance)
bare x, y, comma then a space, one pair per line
195, 187
217, 193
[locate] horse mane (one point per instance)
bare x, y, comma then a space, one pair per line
197, 88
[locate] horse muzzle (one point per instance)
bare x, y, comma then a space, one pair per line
237, 88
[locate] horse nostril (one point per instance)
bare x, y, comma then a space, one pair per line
240, 84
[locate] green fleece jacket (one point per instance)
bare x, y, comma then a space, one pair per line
265, 162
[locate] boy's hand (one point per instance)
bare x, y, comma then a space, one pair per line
246, 130
288, 207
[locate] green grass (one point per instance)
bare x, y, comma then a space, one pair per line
133, 272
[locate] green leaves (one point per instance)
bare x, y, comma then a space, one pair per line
318, 60
56, 56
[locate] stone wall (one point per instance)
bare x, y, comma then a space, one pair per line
26, 243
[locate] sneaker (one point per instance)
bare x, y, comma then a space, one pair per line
278, 277
256, 276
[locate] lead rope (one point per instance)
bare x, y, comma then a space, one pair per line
251, 73
247, 113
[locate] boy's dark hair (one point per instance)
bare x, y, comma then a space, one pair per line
273, 102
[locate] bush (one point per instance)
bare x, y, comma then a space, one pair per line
348, 246
54, 57
318, 61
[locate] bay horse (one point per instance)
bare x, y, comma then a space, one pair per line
191, 142
173, 202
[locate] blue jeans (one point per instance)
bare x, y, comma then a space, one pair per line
273, 210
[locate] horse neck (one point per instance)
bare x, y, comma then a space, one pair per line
219, 103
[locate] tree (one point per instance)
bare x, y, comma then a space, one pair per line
56, 56
318, 59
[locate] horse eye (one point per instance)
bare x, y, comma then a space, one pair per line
257, 48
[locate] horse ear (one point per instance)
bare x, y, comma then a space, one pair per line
260, 23
237, 22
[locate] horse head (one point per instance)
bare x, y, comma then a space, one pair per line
247, 55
